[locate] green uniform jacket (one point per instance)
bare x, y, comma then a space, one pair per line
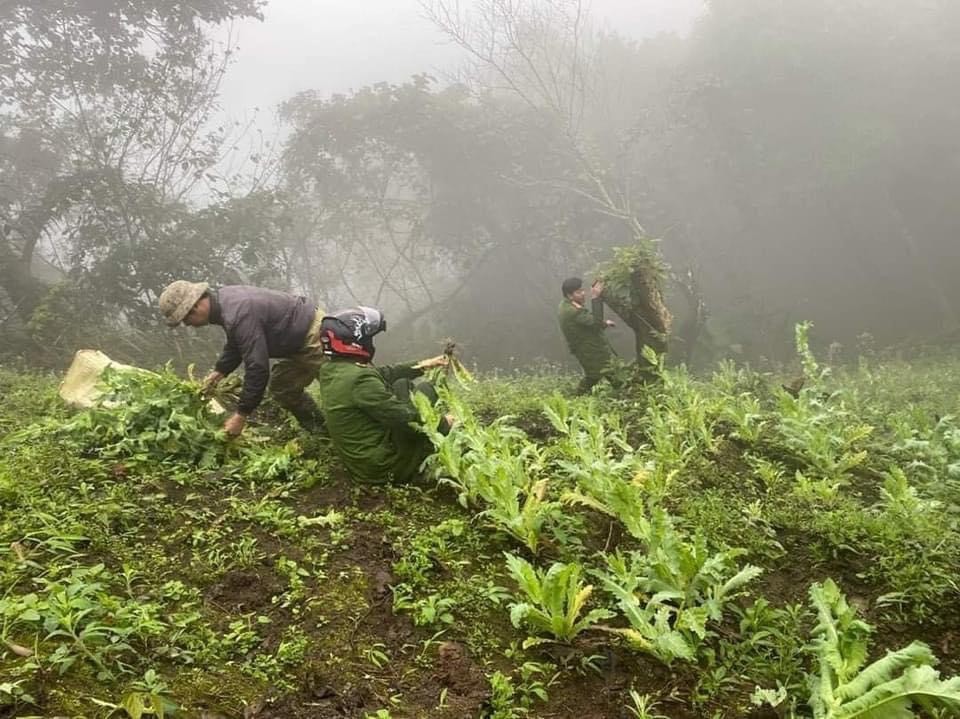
368, 423
585, 337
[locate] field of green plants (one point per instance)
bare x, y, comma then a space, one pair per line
728, 545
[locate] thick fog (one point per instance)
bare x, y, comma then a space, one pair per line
336, 46
453, 163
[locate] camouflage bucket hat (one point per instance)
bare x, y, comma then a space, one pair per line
178, 299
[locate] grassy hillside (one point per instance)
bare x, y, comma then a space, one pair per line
668, 550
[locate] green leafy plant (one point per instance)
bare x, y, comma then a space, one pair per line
449, 462
909, 535
296, 576
615, 497
87, 621
811, 368
496, 468
512, 697
502, 698
149, 417
679, 423
746, 417
13, 693
670, 592
491, 465
587, 438
432, 609
555, 599
276, 667
271, 463
149, 696
609, 477
641, 706
267, 512
522, 512
893, 686
816, 426
769, 645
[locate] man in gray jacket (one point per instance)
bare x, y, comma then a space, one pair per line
260, 324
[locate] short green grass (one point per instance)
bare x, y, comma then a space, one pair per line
259, 578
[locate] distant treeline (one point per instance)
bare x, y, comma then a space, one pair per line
797, 161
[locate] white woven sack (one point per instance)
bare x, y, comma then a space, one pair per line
80, 386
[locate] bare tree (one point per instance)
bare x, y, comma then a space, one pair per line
544, 52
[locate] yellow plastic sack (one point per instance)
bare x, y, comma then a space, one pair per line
80, 386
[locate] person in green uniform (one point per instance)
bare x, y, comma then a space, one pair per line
584, 332
369, 418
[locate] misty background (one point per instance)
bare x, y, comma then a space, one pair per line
794, 161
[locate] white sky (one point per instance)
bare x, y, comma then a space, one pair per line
338, 45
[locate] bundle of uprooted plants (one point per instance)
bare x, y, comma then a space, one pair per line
143, 417
633, 287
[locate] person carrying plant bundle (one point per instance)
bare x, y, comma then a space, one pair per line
368, 411
260, 324
584, 332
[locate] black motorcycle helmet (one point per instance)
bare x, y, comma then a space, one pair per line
350, 333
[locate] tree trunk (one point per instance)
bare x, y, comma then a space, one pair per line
643, 311
23, 289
